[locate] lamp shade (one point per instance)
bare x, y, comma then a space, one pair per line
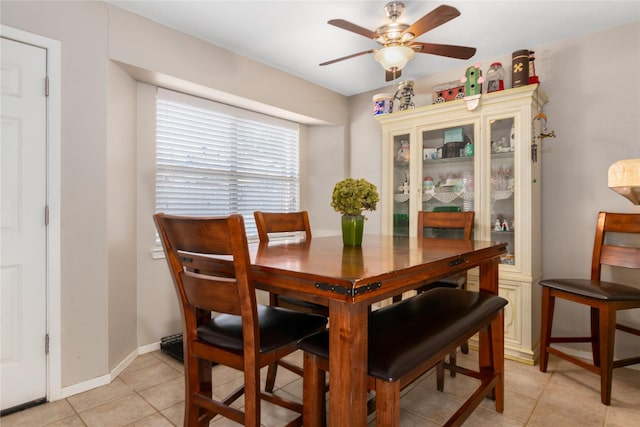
624, 179
394, 57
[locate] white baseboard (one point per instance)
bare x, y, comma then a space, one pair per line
83, 386
149, 348
123, 365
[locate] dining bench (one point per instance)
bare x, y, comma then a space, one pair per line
408, 338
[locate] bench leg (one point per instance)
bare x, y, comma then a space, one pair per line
497, 350
387, 403
313, 393
440, 376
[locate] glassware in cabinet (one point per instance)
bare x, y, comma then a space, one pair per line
503, 190
448, 168
401, 185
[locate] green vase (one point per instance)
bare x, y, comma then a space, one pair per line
352, 228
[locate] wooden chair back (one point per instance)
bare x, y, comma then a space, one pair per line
447, 220
606, 252
190, 243
211, 269
281, 222
286, 222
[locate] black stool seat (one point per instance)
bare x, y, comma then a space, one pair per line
606, 291
405, 334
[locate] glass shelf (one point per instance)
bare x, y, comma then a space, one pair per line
449, 160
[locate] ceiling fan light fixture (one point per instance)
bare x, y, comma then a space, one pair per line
394, 57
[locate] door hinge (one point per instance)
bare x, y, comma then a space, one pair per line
46, 86
46, 215
46, 344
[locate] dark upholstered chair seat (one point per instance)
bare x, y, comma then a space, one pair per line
404, 334
277, 327
606, 291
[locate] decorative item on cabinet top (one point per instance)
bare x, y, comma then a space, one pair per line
447, 92
382, 103
404, 94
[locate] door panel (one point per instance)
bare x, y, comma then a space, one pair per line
23, 150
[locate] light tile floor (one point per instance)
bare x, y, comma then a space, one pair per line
149, 393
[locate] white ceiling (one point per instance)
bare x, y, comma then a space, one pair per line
293, 36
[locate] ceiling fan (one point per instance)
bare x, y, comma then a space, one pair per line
397, 38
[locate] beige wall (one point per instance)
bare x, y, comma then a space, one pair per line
121, 213
114, 297
594, 109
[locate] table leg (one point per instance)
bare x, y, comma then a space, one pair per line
489, 283
347, 364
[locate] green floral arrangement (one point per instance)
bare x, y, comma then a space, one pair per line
352, 196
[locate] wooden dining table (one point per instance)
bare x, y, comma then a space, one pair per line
350, 279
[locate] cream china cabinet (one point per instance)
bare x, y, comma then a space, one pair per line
451, 156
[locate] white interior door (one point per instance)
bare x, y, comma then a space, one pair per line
23, 154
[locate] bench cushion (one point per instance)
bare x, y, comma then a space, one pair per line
405, 334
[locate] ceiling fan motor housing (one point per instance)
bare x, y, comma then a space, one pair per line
394, 9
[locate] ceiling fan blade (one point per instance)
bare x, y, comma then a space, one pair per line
333, 61
346, 25
392, 75
451, 51
433, 19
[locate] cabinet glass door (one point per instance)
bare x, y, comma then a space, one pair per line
448, 169
401, 185
503, 222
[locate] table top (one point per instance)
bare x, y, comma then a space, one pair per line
381, 260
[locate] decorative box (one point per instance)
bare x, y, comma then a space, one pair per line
452, 149
453, 135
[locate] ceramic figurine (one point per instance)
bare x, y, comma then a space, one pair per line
404, 95
405, 187
403, 152
472, 81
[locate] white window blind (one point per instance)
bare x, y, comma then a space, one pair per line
213, 159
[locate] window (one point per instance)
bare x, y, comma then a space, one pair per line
213, 159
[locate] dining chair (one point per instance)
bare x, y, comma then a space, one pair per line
605, 299
408, 338
269, 223
446, 225
243, 334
